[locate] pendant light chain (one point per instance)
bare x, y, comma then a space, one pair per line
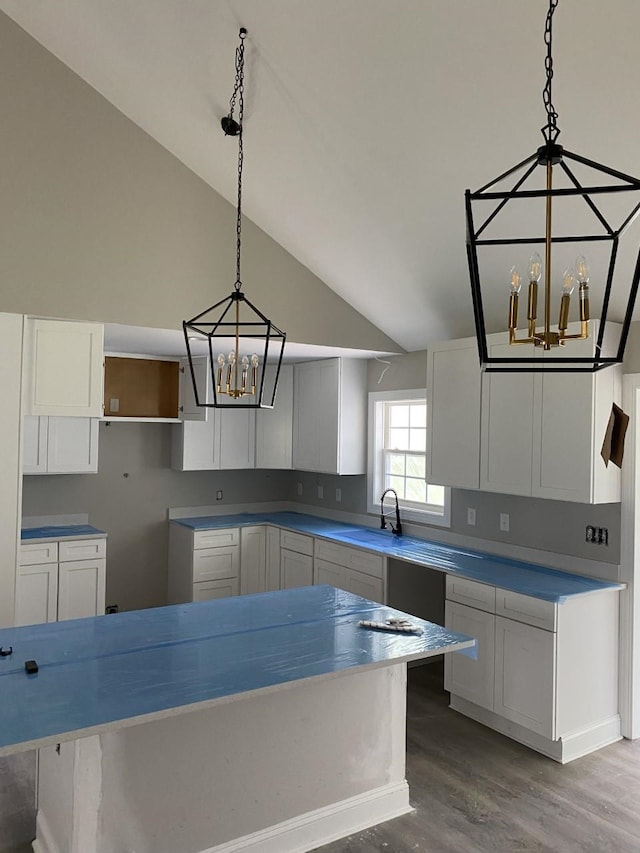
550, 131
238, 95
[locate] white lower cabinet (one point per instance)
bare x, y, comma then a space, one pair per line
60, 580
296, 559
203, 564
352, 569
57, 445
546, 673
525, 676
464, 676
253, 560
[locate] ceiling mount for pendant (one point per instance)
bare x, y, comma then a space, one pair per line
244, 348
580, 209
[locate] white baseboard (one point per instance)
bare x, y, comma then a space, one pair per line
44, 842
563, 750
322, 826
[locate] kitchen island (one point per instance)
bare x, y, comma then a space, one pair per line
268, 722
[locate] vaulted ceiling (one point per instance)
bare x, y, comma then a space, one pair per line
365, 120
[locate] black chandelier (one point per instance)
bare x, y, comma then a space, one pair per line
245, 348
587, 196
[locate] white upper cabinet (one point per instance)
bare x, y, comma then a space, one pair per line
330, 416
60, 445
570, 422
507, 427
223, 439
274, 427
542, 432
453, 412
235, 438
63, 368
189, 411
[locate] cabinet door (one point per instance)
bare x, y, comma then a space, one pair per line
81, 589
189, 411
330, 573
64, 368
316, 413
453, 410
235, 437
295, 569
365, 585
507, 429
37, 594
214, 563
273, 559
274, 427
525, 676
34, 444
208, 590
253, 560
192, 445
72, 446
471, 679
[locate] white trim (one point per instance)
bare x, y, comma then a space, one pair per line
376, 427
563, 750
630, 558
322, 826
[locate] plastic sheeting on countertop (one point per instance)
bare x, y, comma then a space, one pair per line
515, 575
103, 670
81, 531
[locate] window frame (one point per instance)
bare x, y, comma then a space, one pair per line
375, 460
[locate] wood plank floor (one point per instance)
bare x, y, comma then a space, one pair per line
475, 791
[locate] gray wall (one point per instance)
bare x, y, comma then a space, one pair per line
129, 497
99, 222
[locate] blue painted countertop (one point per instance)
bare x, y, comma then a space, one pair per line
515, 575
105, 672
48, 533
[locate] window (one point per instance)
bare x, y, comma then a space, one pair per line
398, 456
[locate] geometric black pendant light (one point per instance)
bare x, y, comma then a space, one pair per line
245, 348
550, 213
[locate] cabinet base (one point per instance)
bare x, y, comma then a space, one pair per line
563, 750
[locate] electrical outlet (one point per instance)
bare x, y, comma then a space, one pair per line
114, 404
320, 492
299, 486
597, 535
471, 516
219, 495
504, 522
338, 495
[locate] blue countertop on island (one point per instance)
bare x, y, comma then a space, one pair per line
515, 575
103, 672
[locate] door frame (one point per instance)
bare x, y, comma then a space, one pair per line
629, 659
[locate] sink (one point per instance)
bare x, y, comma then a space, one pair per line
374, 537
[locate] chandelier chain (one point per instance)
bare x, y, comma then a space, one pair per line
550, 131
237, 97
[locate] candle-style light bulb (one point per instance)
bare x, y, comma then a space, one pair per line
255, 361
582, 274
514, 290
219, 373
582, 270
535, 267
568, 282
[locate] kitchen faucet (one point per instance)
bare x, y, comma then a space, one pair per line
383, 523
